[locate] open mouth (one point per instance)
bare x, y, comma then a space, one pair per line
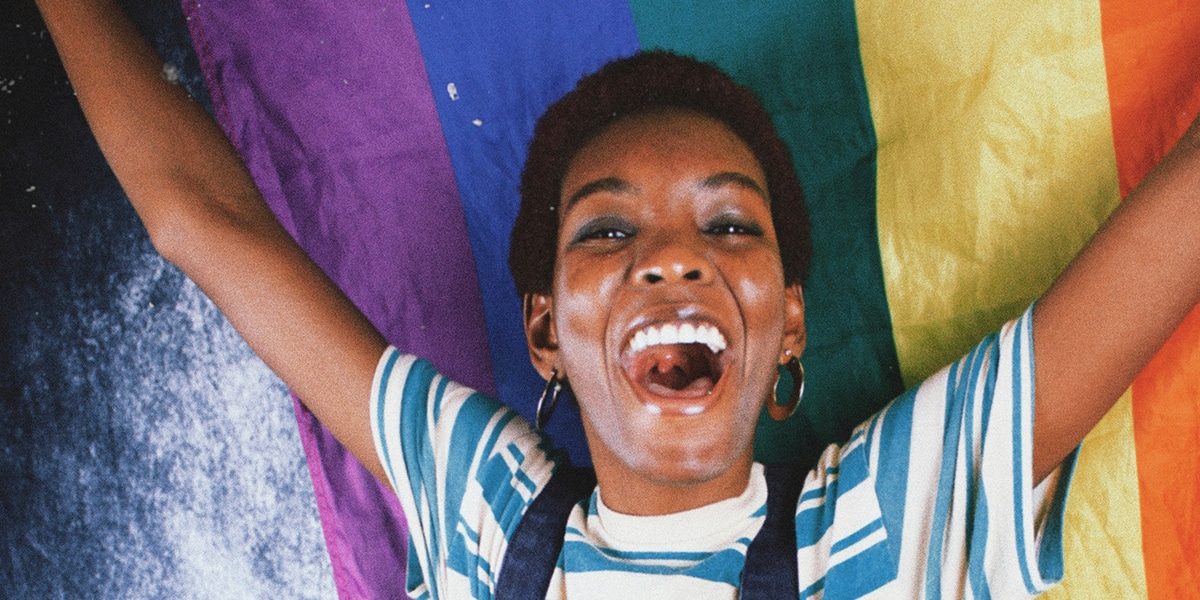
675, 361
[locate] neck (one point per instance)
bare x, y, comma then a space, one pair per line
665, 489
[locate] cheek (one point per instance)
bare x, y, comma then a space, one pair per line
763, 302
583, 296
762, 296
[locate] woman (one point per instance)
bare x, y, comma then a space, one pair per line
664, 220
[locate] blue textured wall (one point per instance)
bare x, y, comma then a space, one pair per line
144, 451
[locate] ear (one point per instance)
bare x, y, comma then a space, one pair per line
794, 331
540, 335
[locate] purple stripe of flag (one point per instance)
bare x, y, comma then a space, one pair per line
329, 105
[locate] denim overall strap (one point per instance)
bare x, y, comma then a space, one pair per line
770, 570
533, 550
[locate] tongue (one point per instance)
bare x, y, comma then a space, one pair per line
673, 369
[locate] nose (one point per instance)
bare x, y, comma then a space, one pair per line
673, 262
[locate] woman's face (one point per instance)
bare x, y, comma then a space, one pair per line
669, 311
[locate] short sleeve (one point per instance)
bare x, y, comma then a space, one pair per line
952, 464
464, 467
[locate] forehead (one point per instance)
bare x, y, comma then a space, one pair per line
671, 141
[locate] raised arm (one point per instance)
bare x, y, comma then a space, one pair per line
204, 214
1117, 303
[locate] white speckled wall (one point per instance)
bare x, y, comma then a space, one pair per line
144, 451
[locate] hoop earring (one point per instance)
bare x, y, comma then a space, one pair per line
789, 385
553, 391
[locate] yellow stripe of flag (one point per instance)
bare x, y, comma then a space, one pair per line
996, 164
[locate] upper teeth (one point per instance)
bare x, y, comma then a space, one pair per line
681, 333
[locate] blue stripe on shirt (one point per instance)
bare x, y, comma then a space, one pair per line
384, 452
438, 395
418, 457
1019, 342
891, 477
967, 426
853, 468
945, 489
860, 574
812, 591
723, 566
473, 423
977, 502
851, 471
857, 536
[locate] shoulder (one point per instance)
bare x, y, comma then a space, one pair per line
464, 467
419, 415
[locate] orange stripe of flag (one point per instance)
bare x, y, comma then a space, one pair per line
1152, 56
1166, 430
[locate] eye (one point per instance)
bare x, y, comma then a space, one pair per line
733, 226
603, 229
607, 233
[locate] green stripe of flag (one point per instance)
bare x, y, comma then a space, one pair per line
802, 60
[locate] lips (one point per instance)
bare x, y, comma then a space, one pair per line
675, 365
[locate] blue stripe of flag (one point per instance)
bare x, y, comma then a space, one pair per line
495, 55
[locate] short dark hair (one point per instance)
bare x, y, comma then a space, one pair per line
646, 82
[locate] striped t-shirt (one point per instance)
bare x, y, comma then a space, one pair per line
930, 498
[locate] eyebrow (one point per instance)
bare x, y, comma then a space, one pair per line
733, 178
616, 185
612, 185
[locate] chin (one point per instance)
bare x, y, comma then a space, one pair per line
704, 451
691, 462
688, 473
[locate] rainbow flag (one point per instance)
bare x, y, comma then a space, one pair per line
955, 156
